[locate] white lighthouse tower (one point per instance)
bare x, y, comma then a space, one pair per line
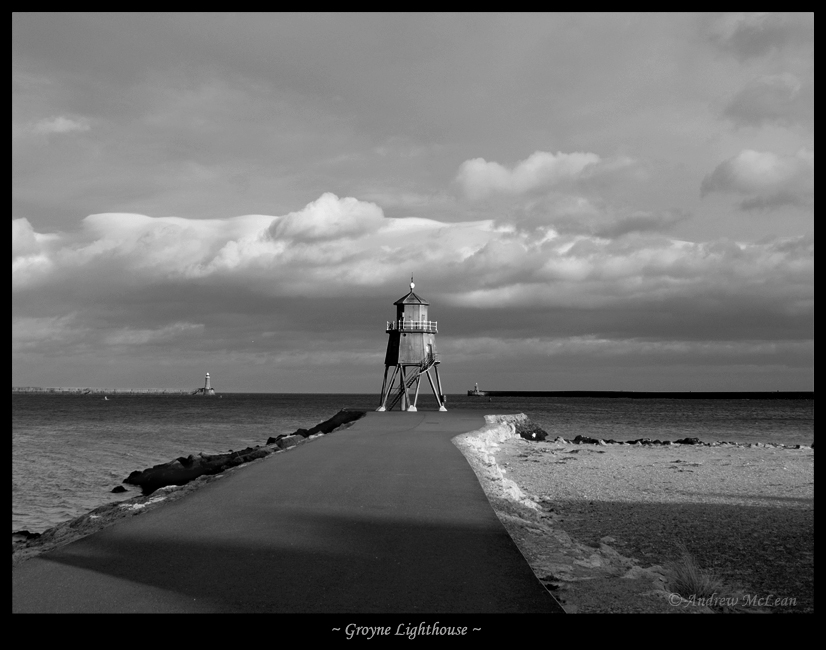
207, 389
411, 352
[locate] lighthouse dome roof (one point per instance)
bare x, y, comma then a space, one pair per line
411, 299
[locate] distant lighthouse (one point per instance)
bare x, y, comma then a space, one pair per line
207, 389
411, 353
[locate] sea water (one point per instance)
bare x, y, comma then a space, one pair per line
69, 451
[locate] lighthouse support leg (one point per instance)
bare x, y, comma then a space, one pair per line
433, 386
412, 407
383, 406
383, 386
405, 396
441, 397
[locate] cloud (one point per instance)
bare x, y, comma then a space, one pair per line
772, 99
765, 178
479, 178
199, 285
611, 351
640, 222
30, 251
118, 255
640, 272
327, 218
130, 336
750, 35
570, 214
58, 124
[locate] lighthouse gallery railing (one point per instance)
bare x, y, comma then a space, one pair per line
411, 326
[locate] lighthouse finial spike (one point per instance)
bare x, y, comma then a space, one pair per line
411, 283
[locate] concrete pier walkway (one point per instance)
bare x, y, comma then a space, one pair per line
385, 517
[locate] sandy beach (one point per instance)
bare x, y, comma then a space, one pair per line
600, 524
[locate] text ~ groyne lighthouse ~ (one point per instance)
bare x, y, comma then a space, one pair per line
411, 352
206, 390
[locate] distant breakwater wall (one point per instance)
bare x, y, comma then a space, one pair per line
649, 394
100, 391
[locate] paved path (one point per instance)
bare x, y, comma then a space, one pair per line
384, 517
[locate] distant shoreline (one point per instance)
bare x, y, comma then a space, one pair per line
100, 391
629, 394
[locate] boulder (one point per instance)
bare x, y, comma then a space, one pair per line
585, 440
185, 469
344, 416
529, 431
285, 442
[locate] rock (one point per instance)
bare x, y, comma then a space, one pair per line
585, 440
344, 416
688, 441
185, 469
529, 431
118, 489
22, 536
289, 441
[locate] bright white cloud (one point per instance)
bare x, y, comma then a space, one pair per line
329, 217
765, 178
471, 264
29, 251
479, 178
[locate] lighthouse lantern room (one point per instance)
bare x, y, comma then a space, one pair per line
411, 353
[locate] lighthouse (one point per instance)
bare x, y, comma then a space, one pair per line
411, 353
207, 389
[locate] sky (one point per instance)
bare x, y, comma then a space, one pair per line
587, 201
